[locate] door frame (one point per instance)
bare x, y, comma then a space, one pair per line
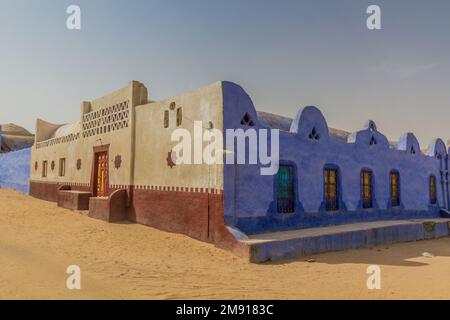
96, 151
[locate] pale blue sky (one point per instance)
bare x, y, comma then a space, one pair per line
286, 54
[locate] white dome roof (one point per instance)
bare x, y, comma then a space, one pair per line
66, 130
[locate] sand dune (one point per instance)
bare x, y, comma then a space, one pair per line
14, 137
127, 261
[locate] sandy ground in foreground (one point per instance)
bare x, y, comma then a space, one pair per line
38, 241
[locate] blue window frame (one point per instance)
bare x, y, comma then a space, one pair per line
331, 189
367, 188
432, 187
394, 178
285, 189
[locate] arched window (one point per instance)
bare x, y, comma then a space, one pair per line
285, 189
366, 188
331, 189
432, 187
394, 178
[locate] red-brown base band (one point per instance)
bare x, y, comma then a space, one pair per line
199, 215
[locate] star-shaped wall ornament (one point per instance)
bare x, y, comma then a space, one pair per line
171, 158
118, 161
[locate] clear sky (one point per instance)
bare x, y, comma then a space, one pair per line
286, 54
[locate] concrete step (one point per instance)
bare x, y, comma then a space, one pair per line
298, 243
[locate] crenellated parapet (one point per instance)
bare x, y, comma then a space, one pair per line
437, 149
369, 137
309, 123
409, 143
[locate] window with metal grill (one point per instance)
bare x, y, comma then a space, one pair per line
331, 189
432, 187
366, 189
395, 188
285, 189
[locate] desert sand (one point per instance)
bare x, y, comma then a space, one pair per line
38, 241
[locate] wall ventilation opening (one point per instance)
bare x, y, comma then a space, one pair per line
314, 135
166, 118
179, 117
247, 120
373, 141
412, 151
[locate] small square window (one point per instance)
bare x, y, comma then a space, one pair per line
62, 167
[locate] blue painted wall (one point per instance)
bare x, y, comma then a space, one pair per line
250, 198
15, 170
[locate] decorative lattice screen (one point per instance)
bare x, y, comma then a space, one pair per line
107, 119
103, 120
